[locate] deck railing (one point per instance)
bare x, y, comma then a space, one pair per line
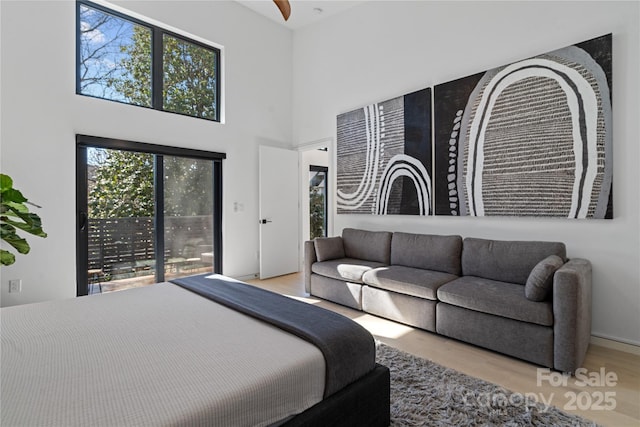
123, 247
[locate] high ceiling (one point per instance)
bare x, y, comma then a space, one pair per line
303, 12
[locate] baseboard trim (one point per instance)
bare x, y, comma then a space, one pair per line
615, 345
247, 277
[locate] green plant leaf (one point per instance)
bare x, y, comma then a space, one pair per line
6, 257
33, 225
9, 235
16, 207
14, 216
12, 195
5, 182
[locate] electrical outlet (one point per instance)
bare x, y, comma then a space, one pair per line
15, 285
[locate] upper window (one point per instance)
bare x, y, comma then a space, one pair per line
123, 59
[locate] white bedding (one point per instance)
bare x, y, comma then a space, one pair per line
152, 356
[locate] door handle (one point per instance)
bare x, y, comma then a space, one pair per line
83, 221
264, 221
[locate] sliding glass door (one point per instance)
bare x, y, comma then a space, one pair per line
146, 214
119, 219
188, 216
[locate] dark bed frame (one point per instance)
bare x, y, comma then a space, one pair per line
364, 403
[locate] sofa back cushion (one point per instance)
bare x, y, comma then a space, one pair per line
427, 251
367, 245
328, 248
506, 261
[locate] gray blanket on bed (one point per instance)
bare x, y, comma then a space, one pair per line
348, 348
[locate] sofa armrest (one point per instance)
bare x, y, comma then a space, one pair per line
309, 258
572, 314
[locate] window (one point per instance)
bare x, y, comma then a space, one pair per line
123, 59
318, 201
146, 213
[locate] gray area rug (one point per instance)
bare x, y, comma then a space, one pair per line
424, 393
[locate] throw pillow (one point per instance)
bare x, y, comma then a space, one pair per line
540, 279
329, 248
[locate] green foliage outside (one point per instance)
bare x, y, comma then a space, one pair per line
188, 188
317, 203
189, 79
122, 185
135, 64
116, 63
316, 212
14, 216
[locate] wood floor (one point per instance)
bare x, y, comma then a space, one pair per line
613, 405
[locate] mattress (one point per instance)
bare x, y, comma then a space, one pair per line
159, 355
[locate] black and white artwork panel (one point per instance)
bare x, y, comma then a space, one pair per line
533, 138
383, 157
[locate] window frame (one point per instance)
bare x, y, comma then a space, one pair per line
157, 61
159, 151
325, 170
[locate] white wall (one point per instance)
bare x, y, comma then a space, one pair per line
384, 49
41, 115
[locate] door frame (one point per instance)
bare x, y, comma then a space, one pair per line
329, 143
82, 237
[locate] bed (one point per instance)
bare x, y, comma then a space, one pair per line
206, 350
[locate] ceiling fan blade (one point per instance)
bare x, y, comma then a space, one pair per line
285, 8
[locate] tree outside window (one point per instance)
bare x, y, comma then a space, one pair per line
116, 62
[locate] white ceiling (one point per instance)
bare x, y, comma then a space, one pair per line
303, 12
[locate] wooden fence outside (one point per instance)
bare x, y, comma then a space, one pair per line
125, 247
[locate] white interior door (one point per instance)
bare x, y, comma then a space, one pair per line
279, 211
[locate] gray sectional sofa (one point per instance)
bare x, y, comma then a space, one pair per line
524, 299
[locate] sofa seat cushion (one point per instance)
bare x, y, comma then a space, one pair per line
407, 280
348, 269
497, 298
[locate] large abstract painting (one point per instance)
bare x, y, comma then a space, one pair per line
533, 138
384, 157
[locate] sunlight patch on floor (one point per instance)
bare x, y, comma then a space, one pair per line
303, 299
382, 328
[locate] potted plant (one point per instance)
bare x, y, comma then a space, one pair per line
15, 216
